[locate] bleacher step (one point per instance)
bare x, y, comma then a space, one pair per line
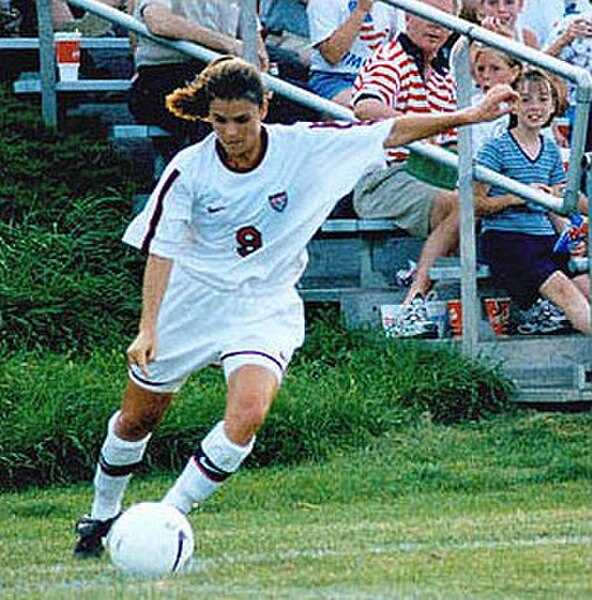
572, 376
29, 83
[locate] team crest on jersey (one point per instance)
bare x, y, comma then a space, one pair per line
278, 201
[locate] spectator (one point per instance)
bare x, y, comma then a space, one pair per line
571, 41
344, 34
160, 70
491, 67
542, 16
285, 27
501, 16
519, 237
408, 75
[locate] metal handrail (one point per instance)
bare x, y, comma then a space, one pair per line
467, 170
577, 75
317, 103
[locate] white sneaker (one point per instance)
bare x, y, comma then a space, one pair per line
413, 321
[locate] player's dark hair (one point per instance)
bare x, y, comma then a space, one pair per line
539, 76
226, 78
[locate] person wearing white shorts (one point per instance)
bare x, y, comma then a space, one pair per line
225, 232
236, 330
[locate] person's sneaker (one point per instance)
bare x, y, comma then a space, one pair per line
543, 318
554, 313
91, 533
413, 321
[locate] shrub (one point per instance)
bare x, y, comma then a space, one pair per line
73, 286
55, 407
42, 172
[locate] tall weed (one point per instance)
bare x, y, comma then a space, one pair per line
71, 287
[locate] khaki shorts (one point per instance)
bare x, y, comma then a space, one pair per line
394, 194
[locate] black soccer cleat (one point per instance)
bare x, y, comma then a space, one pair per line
91, 533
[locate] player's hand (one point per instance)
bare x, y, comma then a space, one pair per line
496, 103
142, 351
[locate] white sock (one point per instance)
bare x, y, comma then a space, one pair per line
117, 461
214, 461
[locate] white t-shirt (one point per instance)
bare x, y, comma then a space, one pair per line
248, 230
578, 53
326, 16
222, 16
542, 15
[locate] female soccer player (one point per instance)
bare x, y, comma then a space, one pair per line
225, 232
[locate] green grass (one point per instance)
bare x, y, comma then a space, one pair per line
343, 391
496, 509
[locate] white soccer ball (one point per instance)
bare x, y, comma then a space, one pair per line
150, 540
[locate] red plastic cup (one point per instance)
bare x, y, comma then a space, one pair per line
68, 54
455, 317
498, 314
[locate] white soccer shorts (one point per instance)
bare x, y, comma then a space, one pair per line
198, 326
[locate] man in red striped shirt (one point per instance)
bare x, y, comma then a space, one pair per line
410, 75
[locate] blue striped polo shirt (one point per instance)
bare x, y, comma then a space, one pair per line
504, 155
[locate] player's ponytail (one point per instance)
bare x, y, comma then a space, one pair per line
226, 78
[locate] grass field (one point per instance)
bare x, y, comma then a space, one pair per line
499, 509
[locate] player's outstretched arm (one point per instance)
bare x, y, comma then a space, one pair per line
410, 128
156, 278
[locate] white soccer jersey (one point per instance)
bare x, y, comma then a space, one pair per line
234, 230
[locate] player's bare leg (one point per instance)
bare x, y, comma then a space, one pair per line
251, 389
128, 434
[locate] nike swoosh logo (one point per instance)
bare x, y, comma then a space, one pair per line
209, 466
215, 209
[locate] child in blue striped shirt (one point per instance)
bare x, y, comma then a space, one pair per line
518, 236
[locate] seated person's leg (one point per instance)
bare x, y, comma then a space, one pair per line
442, 241
332, 86
567, 295
422, 210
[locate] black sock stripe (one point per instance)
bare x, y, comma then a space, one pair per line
208, 468
117, 470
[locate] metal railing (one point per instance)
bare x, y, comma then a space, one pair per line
466, 168
464, 162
